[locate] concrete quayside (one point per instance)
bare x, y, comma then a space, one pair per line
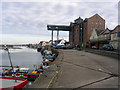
79, 69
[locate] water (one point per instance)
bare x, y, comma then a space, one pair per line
24, 57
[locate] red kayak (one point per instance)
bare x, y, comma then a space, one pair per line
9, 83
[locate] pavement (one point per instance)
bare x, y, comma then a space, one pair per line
80, 69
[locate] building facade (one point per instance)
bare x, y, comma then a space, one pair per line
76, 33
82, 29
100, 37
115, 37
106, 36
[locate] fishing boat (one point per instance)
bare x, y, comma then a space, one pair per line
23, 73
11, 83
33, 74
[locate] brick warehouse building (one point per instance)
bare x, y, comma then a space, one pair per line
81, 30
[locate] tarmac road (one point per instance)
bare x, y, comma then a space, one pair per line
86, 70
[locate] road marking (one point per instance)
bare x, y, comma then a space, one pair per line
54, 77
94, 82
59, 76
51, 80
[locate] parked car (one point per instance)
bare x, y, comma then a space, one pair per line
107, 47
64, 47
59, 47
94, 47
69, 46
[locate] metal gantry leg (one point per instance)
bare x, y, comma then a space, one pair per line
52, 37
58, 35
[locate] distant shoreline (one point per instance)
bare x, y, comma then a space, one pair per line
9, 47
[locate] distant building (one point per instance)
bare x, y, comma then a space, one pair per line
115, 37
76, 33
94, 38
81, 30
44, 43
100, 37
104, 37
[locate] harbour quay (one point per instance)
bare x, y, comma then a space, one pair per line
60, 45
75, 69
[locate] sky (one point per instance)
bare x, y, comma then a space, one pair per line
26, 22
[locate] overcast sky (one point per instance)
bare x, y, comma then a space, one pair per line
26, 22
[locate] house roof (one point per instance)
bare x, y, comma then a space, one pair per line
95, 16
98, 31
116, 29
78, 20
106, 31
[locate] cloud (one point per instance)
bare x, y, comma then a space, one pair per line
32, 17
60, 1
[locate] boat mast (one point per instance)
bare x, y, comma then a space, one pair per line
11, 64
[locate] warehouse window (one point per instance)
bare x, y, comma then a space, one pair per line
96, 17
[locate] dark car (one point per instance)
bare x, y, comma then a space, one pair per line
108, 47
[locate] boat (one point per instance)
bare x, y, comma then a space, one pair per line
10, 83
19, 72
39, 48
33, 74
23, 73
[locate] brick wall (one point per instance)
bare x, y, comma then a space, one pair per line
93, 22
86, 26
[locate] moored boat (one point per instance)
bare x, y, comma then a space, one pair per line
10, 83
32, 75
23, 73
18, 72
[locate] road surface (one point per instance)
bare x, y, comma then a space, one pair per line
86, 70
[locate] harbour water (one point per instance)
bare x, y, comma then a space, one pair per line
24, 57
